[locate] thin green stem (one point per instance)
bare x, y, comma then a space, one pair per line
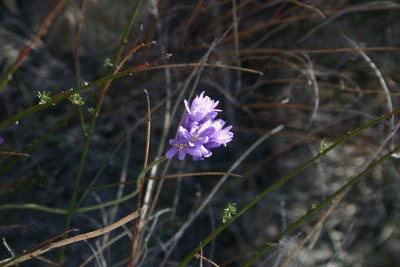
57, 127
320, 206
121, 143
284, 179
32, 206
126, 32
48, 134
71, 209
139, 179
63, 96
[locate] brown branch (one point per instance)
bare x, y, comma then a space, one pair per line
204, 258
46, 23
146, 157
10, 262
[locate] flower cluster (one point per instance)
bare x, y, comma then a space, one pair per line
200, 132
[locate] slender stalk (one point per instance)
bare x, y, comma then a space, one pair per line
146, 157
85, 209
139, 122
77, 68
287, 177
315, 228
26, 255
138, 182
127, 31
367, 168
52, 131
72, 209
320, 206
101, 81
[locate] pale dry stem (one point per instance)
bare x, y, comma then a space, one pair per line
74, 239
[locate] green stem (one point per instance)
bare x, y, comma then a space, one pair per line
72, 208
139, 179
32, 206
320, 206
118, 147
48, 134
281, 181
63, 96
126, 32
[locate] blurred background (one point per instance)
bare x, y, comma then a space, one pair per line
315, 83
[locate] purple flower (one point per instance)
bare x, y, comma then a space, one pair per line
1, 140
219, 136
202, 109
182, 145
199, 133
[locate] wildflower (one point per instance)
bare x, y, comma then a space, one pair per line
199, 133
202, 109
182, 146
219, 136
1, 140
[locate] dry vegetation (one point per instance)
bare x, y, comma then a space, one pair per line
321, 69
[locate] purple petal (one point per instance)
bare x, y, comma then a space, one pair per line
204, 129
212, 144
187, 106
187, 136
202, 108
193, 151
199, 132
205, 152
186, 122
171, 152
196, 158
182, 155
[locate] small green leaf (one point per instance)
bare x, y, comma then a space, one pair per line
324, 145
44, 97
107, 63
76, 99
311, 207
91, 110
229, 212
